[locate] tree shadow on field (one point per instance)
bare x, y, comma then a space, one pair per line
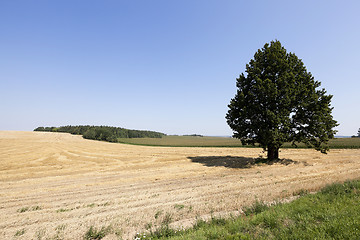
237, 162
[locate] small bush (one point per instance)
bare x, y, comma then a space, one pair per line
96, 234
35, 208
157, 214
218, 221
64, 210
20, 232
23, 209
301, 192
179, 206
167, 219
256, 208
163, 231
199, 224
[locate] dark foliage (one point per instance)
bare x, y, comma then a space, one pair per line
102, 133
193, 135
278, 101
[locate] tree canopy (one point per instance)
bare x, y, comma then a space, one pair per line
102, 133
278, 101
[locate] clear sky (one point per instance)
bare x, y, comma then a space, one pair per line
167, 66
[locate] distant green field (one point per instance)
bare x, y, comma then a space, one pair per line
190, 141
184, 141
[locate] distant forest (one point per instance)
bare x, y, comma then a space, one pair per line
102, 133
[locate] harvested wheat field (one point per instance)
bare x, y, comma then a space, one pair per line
57, 185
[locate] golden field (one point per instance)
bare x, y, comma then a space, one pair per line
57, 185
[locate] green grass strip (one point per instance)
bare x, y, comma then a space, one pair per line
221, 142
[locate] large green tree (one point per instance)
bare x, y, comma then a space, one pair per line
278, 101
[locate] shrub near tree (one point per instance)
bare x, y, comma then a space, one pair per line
358, 134
278, 101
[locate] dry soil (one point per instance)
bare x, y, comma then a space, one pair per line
57, 185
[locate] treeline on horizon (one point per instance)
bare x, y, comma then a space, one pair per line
102, 133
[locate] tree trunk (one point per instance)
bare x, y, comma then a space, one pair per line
273, 153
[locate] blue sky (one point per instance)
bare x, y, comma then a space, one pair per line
168, 66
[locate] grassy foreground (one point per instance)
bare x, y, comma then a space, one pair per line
190, 141
332, 213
